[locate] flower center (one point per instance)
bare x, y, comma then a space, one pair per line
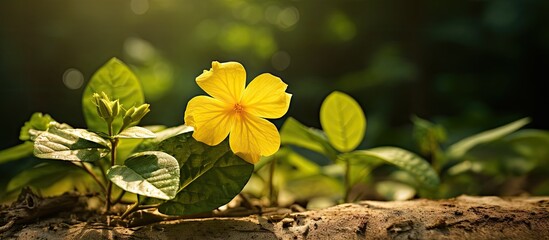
238, 108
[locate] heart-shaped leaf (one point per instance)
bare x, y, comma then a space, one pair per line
211, 176
343, 121
152, 174
118, 82
70, 144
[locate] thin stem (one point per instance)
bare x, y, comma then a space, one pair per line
125, 202
120, 196
94, 177
141, 207
433, 148
131, 209
272, 198
365, 172
347, 180
246, 201
137, 207
114, 142
103, 173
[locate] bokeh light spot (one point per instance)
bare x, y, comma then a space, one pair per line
264, 43
139, 7
235, 37
281, 60
248, 12
271, 14
341, 27
73, 79
139, 49
288, 17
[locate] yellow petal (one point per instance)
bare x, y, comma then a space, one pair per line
224, 81
253, 137
210, 118
265, 97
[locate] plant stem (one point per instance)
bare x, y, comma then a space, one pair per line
131, 209
94, 177
120, 196
137, 207
433, 155
365, 172
141, 207
114, 142
102, 169
347, 180
272, 198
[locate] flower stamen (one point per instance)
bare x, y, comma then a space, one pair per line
238, 108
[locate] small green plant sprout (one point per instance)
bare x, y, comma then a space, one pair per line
503, 154
343, 128
143, 167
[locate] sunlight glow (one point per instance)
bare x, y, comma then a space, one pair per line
139, 49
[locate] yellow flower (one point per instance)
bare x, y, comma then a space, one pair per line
237, 110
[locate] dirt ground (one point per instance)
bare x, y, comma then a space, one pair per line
464, 217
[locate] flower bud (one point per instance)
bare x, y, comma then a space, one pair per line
140, 112
135, 114
106, 108
96, 98
128, 116
115, 105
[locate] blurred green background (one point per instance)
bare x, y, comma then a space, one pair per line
468, 65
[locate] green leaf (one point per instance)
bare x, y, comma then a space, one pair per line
152, 174
38, 121
128, 146
289, 166
152, 144
16, 152
343, 121
428, 135
211, 176
458, 150
118, 82
291, 161
44, 174
295, 133
408, 161
51, 177
136, 132
516, 154
70, 144
532, 144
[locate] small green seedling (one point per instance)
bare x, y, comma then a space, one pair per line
502, 153
344, 125
165, 169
